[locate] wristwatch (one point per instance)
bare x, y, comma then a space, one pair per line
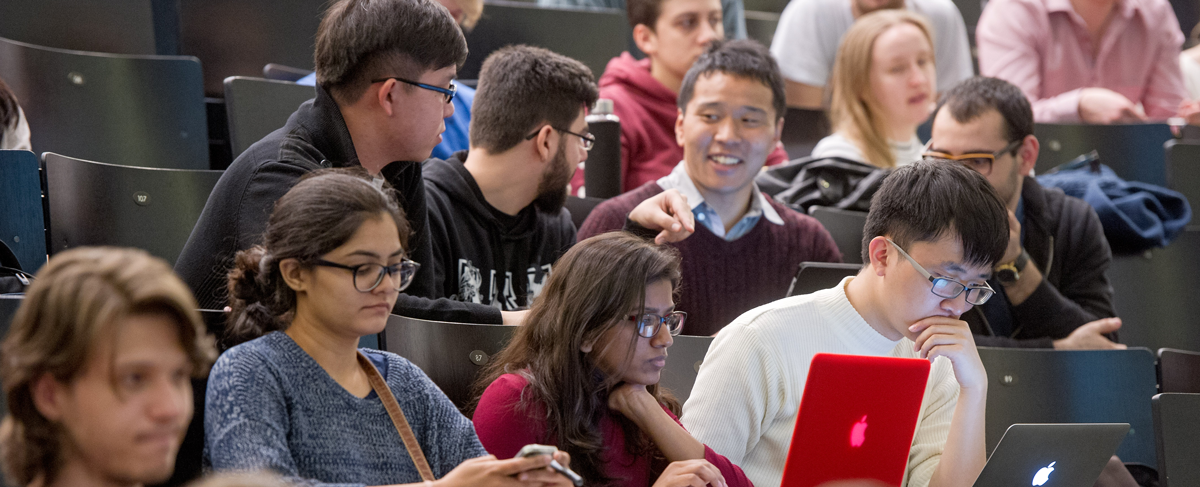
1010, 273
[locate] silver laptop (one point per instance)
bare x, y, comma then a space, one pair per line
1052, 455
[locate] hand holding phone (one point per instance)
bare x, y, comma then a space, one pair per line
532, 450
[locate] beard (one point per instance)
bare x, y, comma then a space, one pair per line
552, 189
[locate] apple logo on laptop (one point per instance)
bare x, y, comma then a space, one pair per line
858, 434
1043, 475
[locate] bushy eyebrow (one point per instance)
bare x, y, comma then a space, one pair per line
373, 255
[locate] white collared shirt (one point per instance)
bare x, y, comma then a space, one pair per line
706, 215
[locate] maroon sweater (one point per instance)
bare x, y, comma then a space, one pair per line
721, 279
503, 430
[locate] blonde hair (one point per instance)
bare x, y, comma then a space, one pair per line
854, 110
75, 301
472, 10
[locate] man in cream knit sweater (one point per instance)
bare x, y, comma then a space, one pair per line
932, 237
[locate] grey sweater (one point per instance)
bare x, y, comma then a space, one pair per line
271, 406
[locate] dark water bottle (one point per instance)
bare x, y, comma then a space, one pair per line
602, 171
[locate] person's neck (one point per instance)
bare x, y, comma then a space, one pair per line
863, 294
336, 353
901, 133
74, 473
1096, 14
371, 149
502, 179
731, 206
668, 79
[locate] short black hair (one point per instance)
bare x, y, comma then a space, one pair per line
521, 87
927, 200
361, 40
975, 96
741, 57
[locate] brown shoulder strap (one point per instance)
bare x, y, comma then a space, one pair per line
393, 409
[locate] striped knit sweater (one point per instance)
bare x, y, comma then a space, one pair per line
271, 406
748, 391
722, 279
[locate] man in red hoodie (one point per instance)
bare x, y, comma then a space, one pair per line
672, 33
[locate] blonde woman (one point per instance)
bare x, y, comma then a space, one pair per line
883, 88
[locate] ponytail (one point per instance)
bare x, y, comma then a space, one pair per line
260, 300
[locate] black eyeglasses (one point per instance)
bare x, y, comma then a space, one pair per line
367, 277
981, 162
448, 93
589, 140
649, 324
944, 287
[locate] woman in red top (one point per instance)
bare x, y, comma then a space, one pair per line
582, 373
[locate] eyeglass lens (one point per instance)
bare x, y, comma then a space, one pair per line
367, 277
650, 324
951, 289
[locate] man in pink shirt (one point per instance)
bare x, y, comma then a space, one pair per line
1090, 61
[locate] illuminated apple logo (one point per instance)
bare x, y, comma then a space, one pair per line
858, 434
1043, 475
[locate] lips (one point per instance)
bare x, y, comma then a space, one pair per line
659, 362
725, 159
922, 98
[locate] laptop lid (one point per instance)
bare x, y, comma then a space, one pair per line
1178, 435
815, 276
856, 420
1052, 455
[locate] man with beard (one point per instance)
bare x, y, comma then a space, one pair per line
496, 216
806, 42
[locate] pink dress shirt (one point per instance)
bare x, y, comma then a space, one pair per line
1043, 47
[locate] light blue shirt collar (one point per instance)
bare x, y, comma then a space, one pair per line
679, 180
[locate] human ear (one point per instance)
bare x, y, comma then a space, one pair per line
587, 346
383, 96
47, 395
295, 275
645, 39
1028, 154
877, 251
542, 143
679, 126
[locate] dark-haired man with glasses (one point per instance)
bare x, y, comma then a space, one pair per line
932, 237
1051, 287
496, 216
383, 71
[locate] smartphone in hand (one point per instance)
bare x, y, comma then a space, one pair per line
533, 450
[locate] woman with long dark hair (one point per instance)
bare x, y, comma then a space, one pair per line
582, 372
299, 397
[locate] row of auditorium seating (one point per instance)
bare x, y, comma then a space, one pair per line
1025, 386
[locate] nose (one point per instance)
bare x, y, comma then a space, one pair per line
958, 305
709, 33
448, 110
727, 131
663, 338
919, 76
170, 399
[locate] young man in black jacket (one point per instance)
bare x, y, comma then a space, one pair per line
1051, 287
496, 216
383, 90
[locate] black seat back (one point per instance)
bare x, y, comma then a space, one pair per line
451, 354
1054, 386
93, 203
256, 107
112, 26
592, 36
1183, 173
1178, 371
802, 129
1133, 151
1178, 435
846, 228
145, 111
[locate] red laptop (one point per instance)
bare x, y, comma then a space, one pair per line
857, 419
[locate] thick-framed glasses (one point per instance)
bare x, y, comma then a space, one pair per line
944, 287
981, 162
589, 140
448, 93
649, 324
367, 277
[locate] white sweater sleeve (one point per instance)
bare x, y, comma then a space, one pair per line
941, 397
737, 394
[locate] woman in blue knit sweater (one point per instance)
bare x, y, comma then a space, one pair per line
295, 398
